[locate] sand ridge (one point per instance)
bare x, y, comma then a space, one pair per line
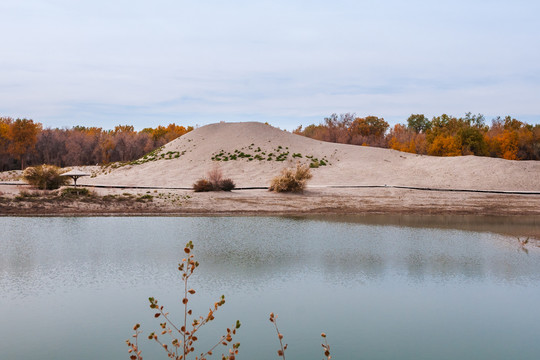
191, 158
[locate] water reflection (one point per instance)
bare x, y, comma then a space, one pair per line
505, 225
249, 251
363, 279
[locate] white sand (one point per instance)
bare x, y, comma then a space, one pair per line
348, 164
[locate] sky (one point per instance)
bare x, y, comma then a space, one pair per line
194, 62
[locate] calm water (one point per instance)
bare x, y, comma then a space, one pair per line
380, 287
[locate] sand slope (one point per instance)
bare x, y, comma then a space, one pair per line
191, 158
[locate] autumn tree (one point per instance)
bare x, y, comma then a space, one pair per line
51, 147
451, 136
23, 138
164, 134
338, 127
24, 142
403, 138
348, 129
5, 124
368, 131
512, 139
317, 132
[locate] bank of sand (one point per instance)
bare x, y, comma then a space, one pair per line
181, 162
346, 164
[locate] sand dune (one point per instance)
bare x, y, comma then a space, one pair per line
191, 157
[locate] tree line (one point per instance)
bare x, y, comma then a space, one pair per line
444, 135
24, 142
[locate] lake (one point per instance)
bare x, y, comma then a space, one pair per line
380, 287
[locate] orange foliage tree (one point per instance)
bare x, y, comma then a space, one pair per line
348, 129
163, 134
22, 135
512, 139
451, 136
368, 131
402, 138
5, 123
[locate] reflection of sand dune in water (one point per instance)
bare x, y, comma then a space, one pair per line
191, 157
517, 227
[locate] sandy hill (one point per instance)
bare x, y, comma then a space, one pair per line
252, 153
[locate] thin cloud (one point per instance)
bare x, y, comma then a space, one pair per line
103, 63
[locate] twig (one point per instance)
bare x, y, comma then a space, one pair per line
281, 352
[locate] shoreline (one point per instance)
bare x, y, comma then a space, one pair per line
314, 201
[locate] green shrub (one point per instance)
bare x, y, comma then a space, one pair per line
45, 177
291, 179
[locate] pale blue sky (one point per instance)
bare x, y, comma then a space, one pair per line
144, 63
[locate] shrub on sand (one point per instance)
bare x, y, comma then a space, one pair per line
227, 185
291, 179
214, 182
203, 185
45, 177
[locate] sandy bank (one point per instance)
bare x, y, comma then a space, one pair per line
260, 202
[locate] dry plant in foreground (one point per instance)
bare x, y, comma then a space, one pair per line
291, 179
281, 350
326, 347
183, 337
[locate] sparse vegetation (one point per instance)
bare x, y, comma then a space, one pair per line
11, 175
45, 177
277, 154
291, 179
74, 192
71, 197
153, 155
25, 195
145, 198
125, 197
